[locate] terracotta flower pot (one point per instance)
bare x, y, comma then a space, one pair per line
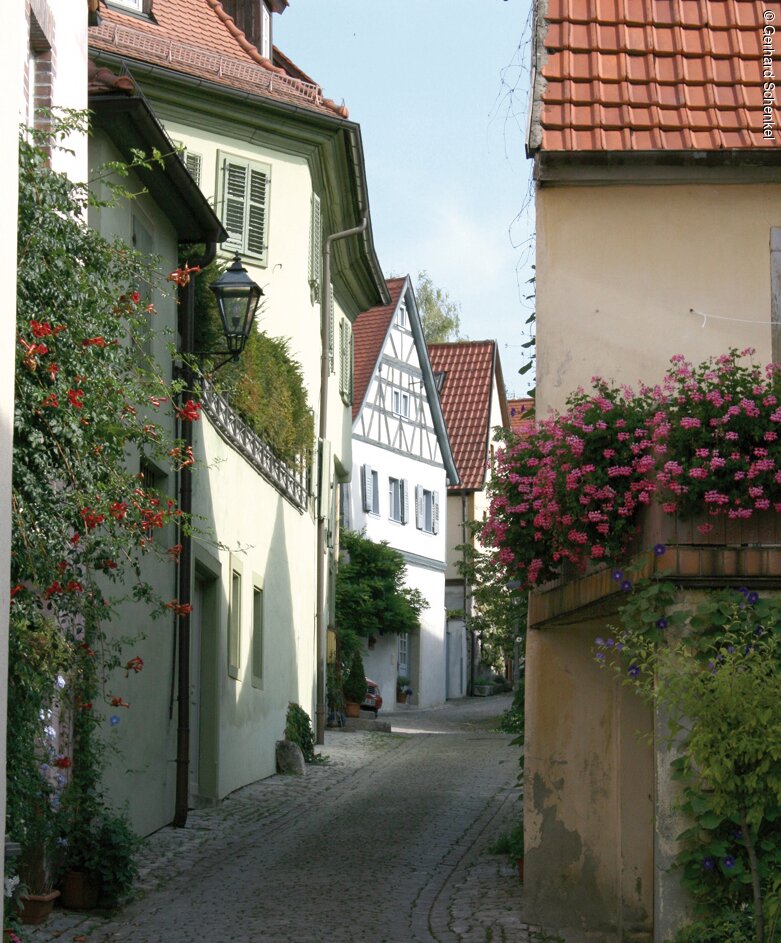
37, 907
79, 891
352, 709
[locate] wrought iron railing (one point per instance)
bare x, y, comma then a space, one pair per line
292, 483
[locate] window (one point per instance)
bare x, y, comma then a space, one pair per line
138, 6
316, 252
346, 361
371, 490
234, 626
253, 18
345, 518
244, 200
403, 654
426, 510
257, 637
401, 316
401, 403
398, 500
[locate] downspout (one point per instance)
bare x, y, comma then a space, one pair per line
467, 621
321, 621
184, 595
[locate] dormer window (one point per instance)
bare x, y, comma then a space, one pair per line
253, 17
143, 7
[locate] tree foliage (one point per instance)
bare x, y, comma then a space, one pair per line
88, 403
439, 314
371, 598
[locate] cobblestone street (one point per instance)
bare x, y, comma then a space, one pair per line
387, 842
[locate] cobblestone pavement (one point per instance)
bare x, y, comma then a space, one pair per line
386, 842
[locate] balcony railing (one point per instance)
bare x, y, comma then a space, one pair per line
290, 482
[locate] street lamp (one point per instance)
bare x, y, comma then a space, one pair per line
237, 298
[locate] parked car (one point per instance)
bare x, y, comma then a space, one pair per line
373, 699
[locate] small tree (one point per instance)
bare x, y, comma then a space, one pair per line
355, 685
371, 598
439, 314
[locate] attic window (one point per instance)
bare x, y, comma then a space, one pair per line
439, 379
253, 18
142, 7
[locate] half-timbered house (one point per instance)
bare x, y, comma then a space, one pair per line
402, 465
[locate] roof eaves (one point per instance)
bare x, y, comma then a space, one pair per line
431, 389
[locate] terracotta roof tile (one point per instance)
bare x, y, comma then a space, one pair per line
466, 404
211, 47
653, 75
369, 331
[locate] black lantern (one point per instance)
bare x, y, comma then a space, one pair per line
237, 297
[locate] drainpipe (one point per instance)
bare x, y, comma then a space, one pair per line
187, 298
322, 624
467, 620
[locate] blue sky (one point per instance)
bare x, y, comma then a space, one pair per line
439, 88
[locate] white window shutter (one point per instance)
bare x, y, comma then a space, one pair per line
435, 512
234, 190
404, 485
418, 507
257, 214
368, 487
193, 164
315, 250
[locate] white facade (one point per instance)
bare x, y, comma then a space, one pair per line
401, 462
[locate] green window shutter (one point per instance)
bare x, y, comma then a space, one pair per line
234, 200
257, 214
316, 251
245, 202
351, 382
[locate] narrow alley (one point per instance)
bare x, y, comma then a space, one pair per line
387, 841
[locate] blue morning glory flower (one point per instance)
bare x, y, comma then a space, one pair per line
618, 575
709, 862
662, 623
752, 598
113, 720
660, 550
634, 671
728, 862
626, 585
599, 641
610, 643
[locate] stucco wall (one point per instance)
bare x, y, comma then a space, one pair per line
588, 799
242, 524
619, 268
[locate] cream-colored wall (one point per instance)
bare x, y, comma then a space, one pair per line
242, 523
287, 308
11, 81
588, 797
64, 24
619, 268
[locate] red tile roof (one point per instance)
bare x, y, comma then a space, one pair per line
469, 368
521, 412
369, 331
647, 75
198, 38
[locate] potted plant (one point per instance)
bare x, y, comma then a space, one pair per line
334, 694
100, 861
37, 866
355, 686
403, 689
